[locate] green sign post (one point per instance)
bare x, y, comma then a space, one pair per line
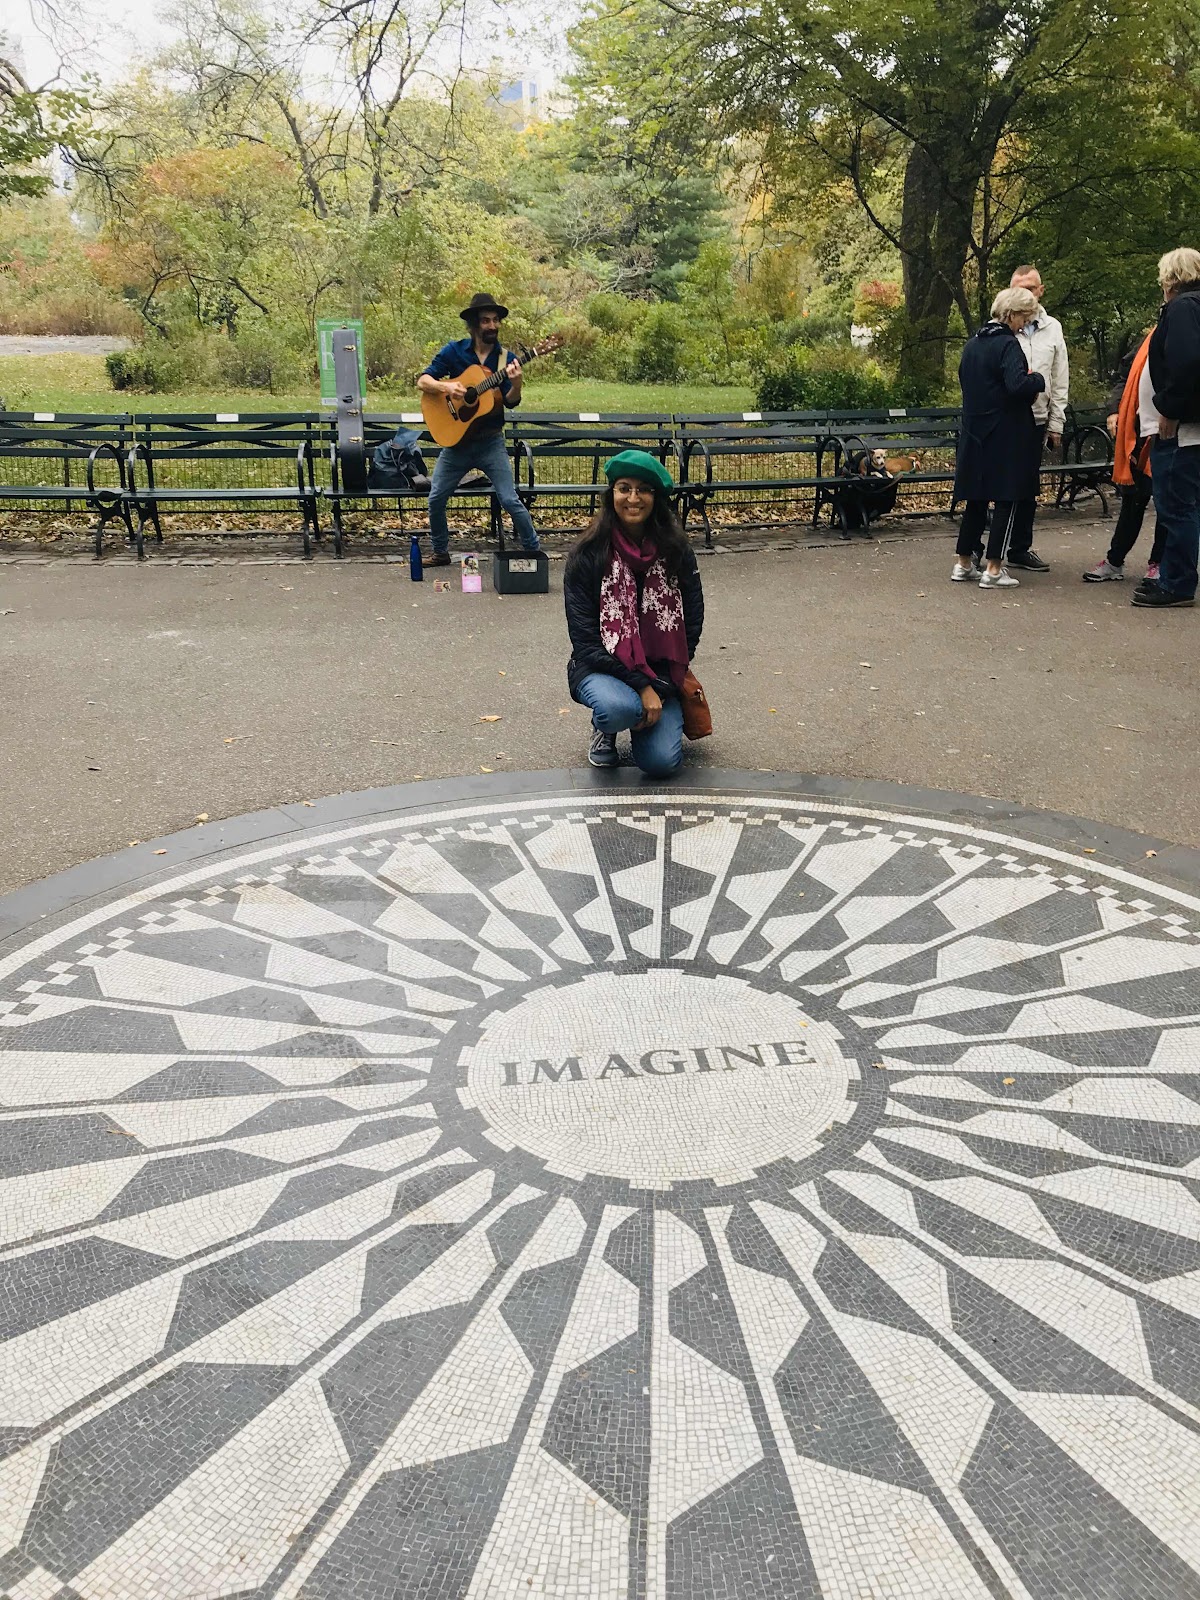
325, 332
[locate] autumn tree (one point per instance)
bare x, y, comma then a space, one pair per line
952, 121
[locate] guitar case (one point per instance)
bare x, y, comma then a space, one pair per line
351, 443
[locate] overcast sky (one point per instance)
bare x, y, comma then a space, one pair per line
118, 29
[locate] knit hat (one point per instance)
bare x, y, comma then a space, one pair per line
639, 464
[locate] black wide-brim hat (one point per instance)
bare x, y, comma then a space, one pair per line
483, 302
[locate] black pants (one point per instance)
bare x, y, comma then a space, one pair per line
1022, 533
1134, 501
971, 528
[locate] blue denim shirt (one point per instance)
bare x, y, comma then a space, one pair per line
454, 358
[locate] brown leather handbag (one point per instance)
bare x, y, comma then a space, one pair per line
697, 718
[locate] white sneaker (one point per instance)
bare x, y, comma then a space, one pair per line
1001, 580
961, 574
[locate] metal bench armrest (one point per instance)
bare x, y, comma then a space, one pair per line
109, 448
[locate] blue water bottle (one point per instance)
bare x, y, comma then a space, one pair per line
416, 567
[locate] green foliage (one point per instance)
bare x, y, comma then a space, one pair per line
156, 367
597, 196
931, 134
612, 313
32, 123
657, 355
262, 357
47, 275
822, 378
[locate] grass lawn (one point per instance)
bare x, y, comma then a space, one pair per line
79, 383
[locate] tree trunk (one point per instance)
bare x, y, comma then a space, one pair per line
935, 236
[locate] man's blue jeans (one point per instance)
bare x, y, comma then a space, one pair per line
476, 455
1175, 477
616, 707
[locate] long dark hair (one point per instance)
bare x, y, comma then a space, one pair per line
663, 526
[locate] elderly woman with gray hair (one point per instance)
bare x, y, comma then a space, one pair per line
999, 447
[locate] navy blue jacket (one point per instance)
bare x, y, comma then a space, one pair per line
1175, 357
999, 447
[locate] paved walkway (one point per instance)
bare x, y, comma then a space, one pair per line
139, 699
751, 1190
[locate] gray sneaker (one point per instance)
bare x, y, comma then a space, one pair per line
602, 752
1104, 572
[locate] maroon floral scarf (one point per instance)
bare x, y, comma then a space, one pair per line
657, 633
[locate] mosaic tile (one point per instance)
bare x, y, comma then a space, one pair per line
637, 1200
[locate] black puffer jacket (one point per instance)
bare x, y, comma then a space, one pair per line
1175, 357
581, 596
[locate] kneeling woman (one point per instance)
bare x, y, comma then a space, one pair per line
634, 613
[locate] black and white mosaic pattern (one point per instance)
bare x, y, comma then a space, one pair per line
609, 1198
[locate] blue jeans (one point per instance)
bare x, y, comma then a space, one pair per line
615, 707
1175, 478
476, 455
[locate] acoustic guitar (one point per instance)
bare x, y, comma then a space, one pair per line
450, 421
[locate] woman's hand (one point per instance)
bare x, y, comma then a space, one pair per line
651, 707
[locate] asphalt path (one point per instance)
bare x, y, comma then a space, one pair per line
139, 699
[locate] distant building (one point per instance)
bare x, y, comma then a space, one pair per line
522, 101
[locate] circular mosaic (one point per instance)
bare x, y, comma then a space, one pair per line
628, 1075
609, 1195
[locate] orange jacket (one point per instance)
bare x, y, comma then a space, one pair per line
1125, 449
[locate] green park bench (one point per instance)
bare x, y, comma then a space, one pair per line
67, 460
188, 464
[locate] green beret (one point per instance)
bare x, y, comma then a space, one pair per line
639, 464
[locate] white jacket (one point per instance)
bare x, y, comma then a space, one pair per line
1046, 352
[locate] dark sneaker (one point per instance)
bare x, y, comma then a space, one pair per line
439, 558
1153, 596
1027, 561
602, 752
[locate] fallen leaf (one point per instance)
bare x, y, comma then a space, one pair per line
502, 672
1010, 1080
202, 817
564, 711
309, 803
772, 710
877, 1063
160, 852
1089, 850
487, 769
489, 719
